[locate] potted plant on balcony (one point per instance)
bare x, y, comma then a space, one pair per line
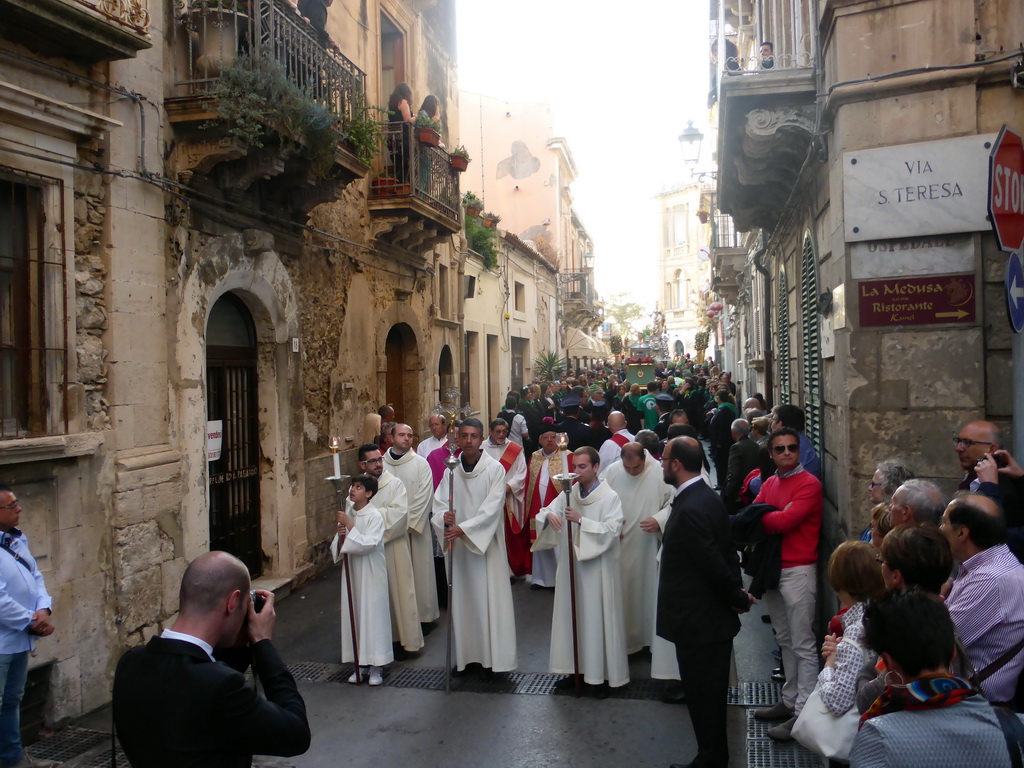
459, 158
703, 216
473, 204
428, 130
216, 28
490, 220
362, 132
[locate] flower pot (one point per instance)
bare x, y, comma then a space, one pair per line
488, 222
428, 136
703, 216
385, 186
473, 210
216, 40
459, 163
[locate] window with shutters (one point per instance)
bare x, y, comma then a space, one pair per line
785, 391
33, 333
811, 332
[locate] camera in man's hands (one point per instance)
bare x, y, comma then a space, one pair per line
258, 601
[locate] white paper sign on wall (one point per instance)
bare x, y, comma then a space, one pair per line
214, 439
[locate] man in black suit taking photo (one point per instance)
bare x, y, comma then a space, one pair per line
177, 703
700, 597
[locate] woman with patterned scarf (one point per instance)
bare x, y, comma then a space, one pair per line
926, 717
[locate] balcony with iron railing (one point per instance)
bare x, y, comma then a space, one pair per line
87, 31
578, 298
414, 195
766, 121
260, 97
728, 255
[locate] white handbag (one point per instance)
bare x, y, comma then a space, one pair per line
822, 732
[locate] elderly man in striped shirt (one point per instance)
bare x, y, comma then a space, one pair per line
987, 598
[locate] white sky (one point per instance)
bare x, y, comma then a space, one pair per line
631, 81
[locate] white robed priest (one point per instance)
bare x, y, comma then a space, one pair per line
438, 435
393, 503
360, 538
414, 472
512, 458
643, 492
664, 665
482, 615
596, 513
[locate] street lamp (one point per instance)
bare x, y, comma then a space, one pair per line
690, 140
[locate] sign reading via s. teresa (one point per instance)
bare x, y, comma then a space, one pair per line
929, 188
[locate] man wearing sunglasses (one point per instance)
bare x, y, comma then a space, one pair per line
796, 494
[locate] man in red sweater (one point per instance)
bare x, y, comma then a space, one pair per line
797, 495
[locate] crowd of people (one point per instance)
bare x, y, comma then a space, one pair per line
920, 665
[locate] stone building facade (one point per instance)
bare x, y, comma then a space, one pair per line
683, 261
177, 263
855, 164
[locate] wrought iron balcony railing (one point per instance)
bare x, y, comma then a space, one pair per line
408, 167
578, 286
723, 232
218, 32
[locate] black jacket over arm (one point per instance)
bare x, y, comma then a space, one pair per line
700, 581
175, 708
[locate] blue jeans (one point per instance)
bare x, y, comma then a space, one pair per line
13, 673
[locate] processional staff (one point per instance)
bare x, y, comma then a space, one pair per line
565, 481
338, 480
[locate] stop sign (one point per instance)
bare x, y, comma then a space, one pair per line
1006, 189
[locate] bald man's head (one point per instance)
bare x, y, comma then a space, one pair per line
972, 523
209, 580
634, 459
616, 421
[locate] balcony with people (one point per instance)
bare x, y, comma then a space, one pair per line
414, 195
579, 300
764, 85
264, 103
86, 31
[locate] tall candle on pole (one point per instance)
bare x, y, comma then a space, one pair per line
565, 481
338, 480
335, 447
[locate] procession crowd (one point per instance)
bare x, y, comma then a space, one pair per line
639, 507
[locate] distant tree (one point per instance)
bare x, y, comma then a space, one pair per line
623, 314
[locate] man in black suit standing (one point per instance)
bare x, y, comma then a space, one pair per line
579, 434
700, 597
743, 459
175, 704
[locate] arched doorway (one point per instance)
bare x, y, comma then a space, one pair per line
401, 379
445, 372
231, 404
679, 349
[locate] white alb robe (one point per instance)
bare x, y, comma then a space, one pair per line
515, 476
363, 547
642, 496
664, 665
611, 451
545, 561
429, 444
393, 503
414, 472
483, 618
602, 641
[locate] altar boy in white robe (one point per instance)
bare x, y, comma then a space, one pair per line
360, 538
483, 619
595, 512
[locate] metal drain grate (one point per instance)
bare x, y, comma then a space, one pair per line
102, 759
765, 753
754, 694
314, 672
341, 674
423, 679
68, 743
537, 685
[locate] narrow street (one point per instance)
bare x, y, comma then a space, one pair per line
519, 721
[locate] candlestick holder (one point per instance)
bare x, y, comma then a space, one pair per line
565, 480
338, 481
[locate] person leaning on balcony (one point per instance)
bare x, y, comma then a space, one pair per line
401, 118
315, 12
767, 55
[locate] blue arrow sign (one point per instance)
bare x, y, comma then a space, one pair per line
1015, 291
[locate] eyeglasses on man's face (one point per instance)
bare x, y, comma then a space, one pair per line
963, 442
873, 484
378, 460
14, 504
787, 448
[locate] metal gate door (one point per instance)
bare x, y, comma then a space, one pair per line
235, 476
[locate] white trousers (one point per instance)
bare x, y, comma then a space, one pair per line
791, 608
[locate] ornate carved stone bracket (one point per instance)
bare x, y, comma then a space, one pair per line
192, 157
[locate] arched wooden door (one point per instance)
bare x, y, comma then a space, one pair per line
231, 400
